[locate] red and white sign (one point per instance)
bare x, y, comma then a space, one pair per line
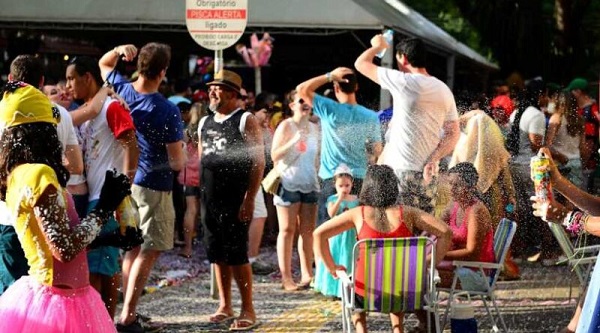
216, 24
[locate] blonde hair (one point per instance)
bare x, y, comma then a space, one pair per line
197, 112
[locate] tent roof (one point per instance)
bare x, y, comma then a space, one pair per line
288, 14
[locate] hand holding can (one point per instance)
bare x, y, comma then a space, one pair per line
540, 174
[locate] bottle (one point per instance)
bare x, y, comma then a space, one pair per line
541, 177
388, 35
462, 317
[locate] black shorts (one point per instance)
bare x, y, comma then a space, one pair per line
225, 236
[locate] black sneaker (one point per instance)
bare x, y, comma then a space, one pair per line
137, 327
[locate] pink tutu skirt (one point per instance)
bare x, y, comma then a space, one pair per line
28, 306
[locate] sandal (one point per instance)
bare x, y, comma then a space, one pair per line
220, 317
243, 324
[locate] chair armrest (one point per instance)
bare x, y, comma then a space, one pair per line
586, 249
476, 264
436, 277
580, 261
343, 276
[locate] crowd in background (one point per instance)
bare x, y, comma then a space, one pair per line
196, 159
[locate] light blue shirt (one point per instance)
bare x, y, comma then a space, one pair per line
345, 131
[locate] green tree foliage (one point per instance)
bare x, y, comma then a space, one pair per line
557, 39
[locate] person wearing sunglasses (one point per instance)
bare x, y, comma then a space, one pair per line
295, 153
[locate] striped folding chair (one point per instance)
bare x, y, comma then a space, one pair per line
396, 278
502, 239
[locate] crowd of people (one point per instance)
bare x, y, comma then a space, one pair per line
125, 173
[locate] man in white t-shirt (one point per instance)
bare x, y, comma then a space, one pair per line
424, 126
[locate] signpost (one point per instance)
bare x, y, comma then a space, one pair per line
216, 25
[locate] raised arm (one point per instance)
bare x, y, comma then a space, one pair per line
92, 109
306, 90
364, 63
109, 60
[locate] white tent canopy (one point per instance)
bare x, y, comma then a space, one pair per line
288, 14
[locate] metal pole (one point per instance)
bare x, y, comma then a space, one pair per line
214, 291
257, 80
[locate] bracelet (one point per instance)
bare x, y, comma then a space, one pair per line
328, 76
575, 222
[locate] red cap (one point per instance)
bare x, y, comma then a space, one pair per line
504, 102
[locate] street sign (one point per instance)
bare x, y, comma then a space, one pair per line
216, 24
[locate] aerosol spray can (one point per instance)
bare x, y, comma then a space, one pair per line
540, 174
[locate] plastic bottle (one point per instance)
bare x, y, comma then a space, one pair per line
388, 35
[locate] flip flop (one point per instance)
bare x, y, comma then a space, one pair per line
248, 325
220, 317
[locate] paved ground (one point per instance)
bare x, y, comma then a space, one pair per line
539, 302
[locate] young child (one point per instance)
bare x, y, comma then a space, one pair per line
378, 216
341, 245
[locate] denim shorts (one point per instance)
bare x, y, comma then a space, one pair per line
286, 198
471, 279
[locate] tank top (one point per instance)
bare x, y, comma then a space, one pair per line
459, 236
225, 161
298, 170
367, 232
566, 144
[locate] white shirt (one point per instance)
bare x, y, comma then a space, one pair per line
532, 121
422, 104
65, 129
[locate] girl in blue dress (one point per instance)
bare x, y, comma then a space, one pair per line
341, 245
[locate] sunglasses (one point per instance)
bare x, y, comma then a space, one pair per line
244, 97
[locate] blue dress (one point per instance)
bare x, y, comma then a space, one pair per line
589, 321
341, 250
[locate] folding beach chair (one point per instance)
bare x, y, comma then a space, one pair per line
396, 278
580, 259
502, 240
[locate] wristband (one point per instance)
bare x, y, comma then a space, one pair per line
575, 222
328, 76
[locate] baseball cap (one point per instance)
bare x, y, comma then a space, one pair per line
577, 83
504, 102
